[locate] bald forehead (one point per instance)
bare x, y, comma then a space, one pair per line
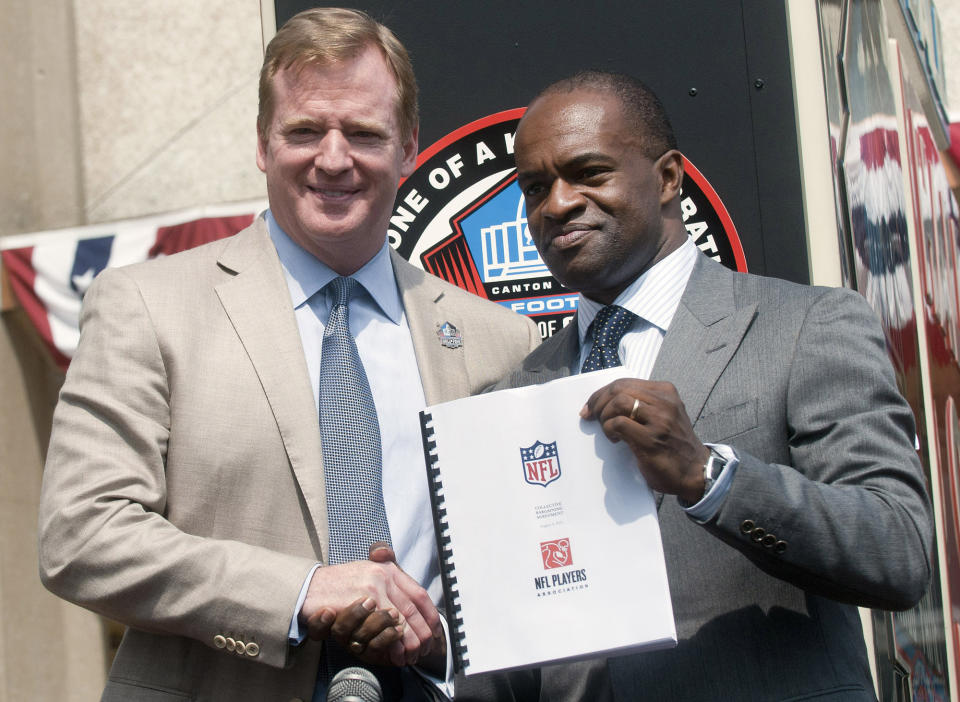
586, 108
562, 118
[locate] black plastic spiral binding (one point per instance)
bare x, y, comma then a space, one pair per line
447, 568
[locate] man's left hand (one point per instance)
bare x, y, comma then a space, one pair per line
650, 417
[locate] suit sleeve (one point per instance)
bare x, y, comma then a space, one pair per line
105, 540
849, 517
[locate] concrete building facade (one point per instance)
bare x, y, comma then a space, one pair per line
112, 109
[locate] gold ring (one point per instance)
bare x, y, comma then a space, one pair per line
356, 647
636, 406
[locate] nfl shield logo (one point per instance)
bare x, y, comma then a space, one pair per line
541, 465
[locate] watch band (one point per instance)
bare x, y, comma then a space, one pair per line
712, 470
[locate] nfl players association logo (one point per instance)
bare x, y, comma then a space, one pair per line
541, 464
461, 216
556, 553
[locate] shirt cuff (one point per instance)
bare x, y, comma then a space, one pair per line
708, 506
444, 686
295, 635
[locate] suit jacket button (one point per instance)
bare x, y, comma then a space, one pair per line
780, 547
253, 650
219, 641
747, 526
231, 645
757, 534
241, 648
768, 541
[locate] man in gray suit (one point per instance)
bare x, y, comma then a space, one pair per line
187, 492
764, 414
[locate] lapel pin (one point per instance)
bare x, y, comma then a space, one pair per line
449, 336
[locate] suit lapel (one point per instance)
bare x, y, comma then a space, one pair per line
443, 370
703, 336
556, 357
258, 304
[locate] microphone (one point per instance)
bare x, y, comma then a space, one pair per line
354, 685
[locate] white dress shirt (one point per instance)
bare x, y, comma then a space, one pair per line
654, 298
379, 326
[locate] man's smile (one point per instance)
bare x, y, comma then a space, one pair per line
569, 235
340, 194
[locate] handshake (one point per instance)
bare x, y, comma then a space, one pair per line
376, 612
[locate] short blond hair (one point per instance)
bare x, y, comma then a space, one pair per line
325, 35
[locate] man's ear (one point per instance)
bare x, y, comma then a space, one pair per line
261, 150
670, 168
410, 147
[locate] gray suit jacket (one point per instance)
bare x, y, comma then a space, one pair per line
795, 379
183, 493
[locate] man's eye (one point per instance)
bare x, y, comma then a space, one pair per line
532, 190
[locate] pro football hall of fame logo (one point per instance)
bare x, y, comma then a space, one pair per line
461, 216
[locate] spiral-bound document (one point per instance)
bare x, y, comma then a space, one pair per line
549, 542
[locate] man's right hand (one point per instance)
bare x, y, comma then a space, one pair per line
334, 588
372, 635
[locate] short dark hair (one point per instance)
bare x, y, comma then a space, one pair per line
640, 104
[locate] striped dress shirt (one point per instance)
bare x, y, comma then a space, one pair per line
654, 298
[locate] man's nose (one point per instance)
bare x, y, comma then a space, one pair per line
333, 155
562, 199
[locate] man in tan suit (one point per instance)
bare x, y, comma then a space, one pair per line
184, 493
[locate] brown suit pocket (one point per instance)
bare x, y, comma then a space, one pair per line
724, 424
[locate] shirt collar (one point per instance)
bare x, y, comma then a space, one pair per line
654, 296
307, 274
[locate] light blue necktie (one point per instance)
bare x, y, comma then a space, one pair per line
608, 328
350, 436
352, 466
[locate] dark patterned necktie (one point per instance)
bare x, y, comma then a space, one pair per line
350, 436
608, 328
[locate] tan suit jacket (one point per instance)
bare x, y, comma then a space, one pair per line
183, 493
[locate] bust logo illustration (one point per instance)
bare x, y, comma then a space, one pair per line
541, 464
503, 238
461, 216
556, 554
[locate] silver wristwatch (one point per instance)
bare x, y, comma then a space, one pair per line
712, 470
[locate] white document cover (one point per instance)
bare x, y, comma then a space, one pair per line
550, 545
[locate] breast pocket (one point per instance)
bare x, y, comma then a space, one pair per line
722, 425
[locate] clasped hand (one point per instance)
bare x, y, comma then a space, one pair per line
374, 610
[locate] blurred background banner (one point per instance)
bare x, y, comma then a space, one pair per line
49, 272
